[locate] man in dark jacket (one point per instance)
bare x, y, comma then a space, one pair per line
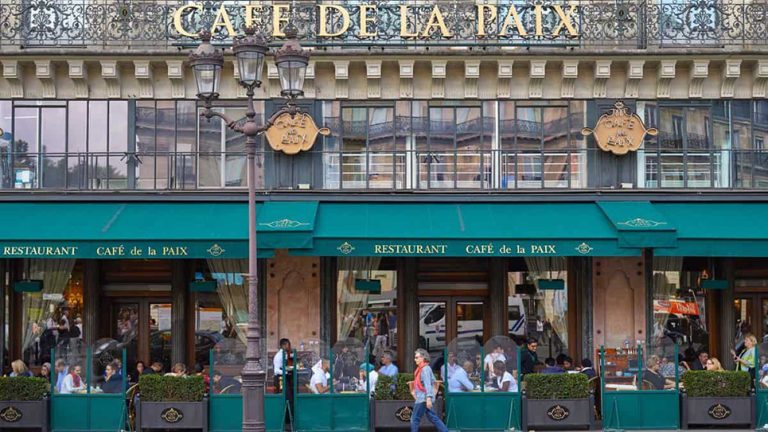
530, 358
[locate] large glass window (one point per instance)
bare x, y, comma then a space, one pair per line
221, 317
537, 305
53, 317
542, 145
679, 310
367, 146
366, 302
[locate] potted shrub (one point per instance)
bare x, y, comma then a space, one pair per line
24, 403
717, 398
167, 402
393, 403
557, 401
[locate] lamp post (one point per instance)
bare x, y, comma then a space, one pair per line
207, 63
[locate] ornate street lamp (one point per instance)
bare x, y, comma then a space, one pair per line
207, 63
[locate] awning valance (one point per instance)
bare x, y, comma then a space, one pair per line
150, 230
717, 229
638, 224
472, 229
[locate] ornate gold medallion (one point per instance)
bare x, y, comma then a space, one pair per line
291, 134
172, 415
558, 413
404, 414
618, 131
719, 411
10, 414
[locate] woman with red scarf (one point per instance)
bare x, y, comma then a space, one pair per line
424, 393
73, 383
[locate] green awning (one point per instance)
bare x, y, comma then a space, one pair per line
150, 230
639, 224
473, 229
717, 229
286, 224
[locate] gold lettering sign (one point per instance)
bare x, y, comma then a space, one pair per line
291, 134
544, 21
618, 131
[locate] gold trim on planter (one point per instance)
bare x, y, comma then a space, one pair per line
719, 411
404, 414
11, 414
172, 415
558, 413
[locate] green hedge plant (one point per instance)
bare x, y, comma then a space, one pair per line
393, 388
716, 383
556, 386
158, 388
23, 388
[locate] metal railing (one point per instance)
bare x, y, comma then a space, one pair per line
149, 24
395, 170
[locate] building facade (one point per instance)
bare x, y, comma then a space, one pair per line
457, 174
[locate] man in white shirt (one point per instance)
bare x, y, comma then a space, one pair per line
502, 379
73, 382
279, 359
452, 365
459, 381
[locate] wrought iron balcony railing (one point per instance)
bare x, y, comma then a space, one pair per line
624, 24
391, 170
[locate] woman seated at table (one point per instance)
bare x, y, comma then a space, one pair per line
653, 376
713, 365
503, 380
73, 383
367, 369
113, 382
318, 383
459, 379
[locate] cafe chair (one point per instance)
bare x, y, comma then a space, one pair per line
594, 388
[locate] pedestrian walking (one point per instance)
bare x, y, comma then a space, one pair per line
423, 390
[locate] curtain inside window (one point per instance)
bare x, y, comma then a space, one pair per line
555, 302
231, 285
666, 280
350, 301
41, 309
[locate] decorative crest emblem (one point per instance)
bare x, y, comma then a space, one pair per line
11, 415
719, 411
346, 248
641, 223
618, 131
558, 413
284, 223
291, 134
172, 415
216, 250
584, 249
404, 414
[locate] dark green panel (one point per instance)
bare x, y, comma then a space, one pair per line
225, 413
62, 409
274, 412
332, 412
108, 412
761, 406
647, 409
483, 411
